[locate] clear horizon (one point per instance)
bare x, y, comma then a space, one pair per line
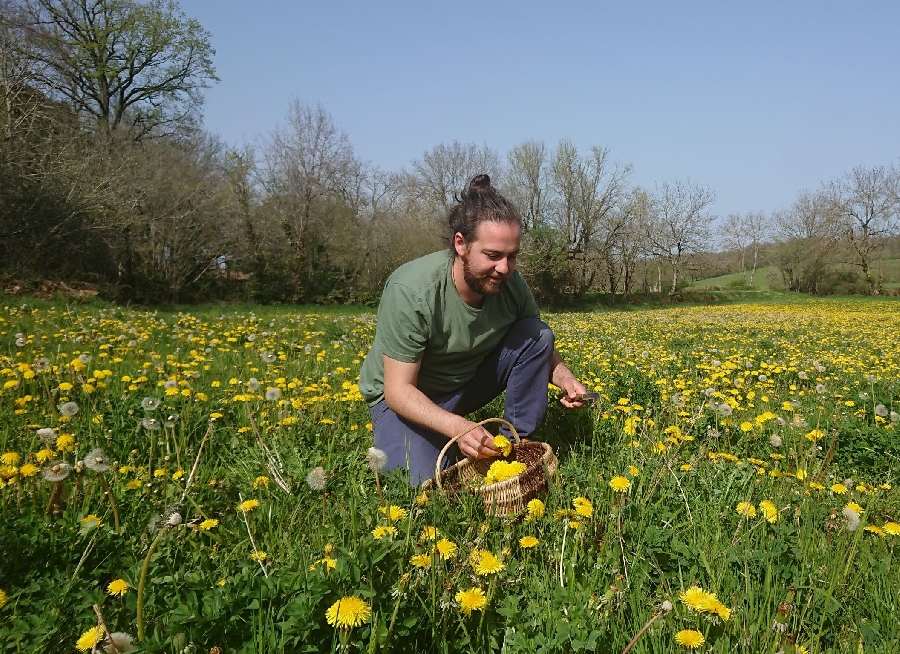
757, 102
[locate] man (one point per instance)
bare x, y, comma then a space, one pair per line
455, 329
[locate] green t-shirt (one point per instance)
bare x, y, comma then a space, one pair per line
422, 318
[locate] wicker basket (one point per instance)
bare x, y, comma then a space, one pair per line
503, 497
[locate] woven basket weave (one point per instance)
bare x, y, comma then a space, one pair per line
503, 497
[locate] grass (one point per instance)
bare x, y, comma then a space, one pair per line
703, 409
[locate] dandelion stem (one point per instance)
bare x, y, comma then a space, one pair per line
143, 581
378, 486
641, 632
190, 479
562, 554
112, 501
250, 534
112, 643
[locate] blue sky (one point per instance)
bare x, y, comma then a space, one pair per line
756, 100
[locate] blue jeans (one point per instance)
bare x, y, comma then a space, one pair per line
520, 365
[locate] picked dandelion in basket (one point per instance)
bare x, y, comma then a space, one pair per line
95, 461
377, 460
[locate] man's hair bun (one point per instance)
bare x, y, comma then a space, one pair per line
480, 202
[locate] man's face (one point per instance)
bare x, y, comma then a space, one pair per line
490, 259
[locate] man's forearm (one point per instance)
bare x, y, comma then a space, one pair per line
558, 370
412, 404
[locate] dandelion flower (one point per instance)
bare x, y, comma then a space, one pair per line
421, 499
891, 528
269, 357
211, 523
3, 598
689, 638
117, 587
619, 484
840, 489
381, 531
151, 424
769, 511
535, 510
502, 470
273, 394
746, 509
28, 470
94, 460
348, 612
253, 384
470, 600
261, 481
316, 478
446, 549
528, 542
393, 513
487, 563
259, 555
420, 560
583, 506
376, 459
693, 597
10, 459
502, 443
90, 639
429, 533
247, 505
150, 404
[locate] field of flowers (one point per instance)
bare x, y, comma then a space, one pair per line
202, 482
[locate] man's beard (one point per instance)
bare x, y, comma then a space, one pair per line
480, 282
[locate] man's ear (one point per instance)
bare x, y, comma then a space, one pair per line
459, 244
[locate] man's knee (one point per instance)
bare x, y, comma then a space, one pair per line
538, 331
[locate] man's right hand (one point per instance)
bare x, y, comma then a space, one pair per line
477, 444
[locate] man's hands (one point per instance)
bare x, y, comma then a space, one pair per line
575, 393
478, 443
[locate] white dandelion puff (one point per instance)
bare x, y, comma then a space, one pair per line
94, 460
253, 384
316, 478
376, 459
273, 394
881, 411
151, 424
119, 643
68, 409
57, 471
851, 518
775, 440
46, 435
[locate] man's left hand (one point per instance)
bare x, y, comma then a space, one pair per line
573, 391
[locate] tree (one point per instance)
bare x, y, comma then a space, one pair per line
866, 203
446, 170
679, 224
528, 179
807, 235
122, 63
756, 226
734, 238
589, 190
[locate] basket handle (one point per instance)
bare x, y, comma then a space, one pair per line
437, 465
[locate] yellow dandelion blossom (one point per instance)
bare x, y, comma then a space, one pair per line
583, 506
840, 489
421, 499
874, 529
28, 470
746, 426
856, 507
3, 598
633, 471
535, 510
117, 587
502, 443
259, 555
528, 542
619, 484
393, 513
381, 531
247, 505
429, 533
488, 564
690, 638
10, 459
261, 481
446, 549
90, 639
470, 600
693, 597
815, 435
502, 470
420, 560
348, 612
329, 563
211, 523
891, 528
769, 511
746, 509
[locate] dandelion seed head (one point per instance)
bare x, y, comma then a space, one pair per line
376, 459
253, 384
68, 409
151, 424
121, 643
57, 471
881, 410
775, 440
316, 478
96, 461
273, 394
851, 518
46, 435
